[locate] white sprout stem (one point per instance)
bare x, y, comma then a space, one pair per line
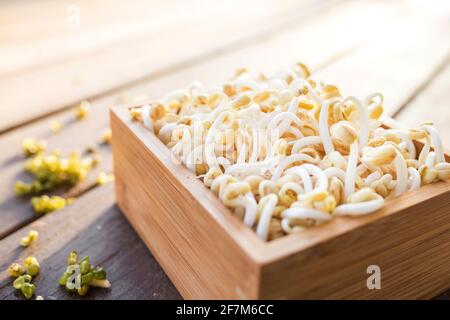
165, 132
321, 178
239, 83
305, 213
350, 174
209, 141
291, 186
288, 161
219, 185
223, 107
186, 141
323, 129
306, 141
406, 141
252, 112
363, 120
255, 144
250, 209
387, 181
415, 179
264, 122
373, 95
248, 168
437, 142
281, 121
296, 132
424, 154
293, 105
224, 162
145, 114
431, 159
361, 169
360, 208
335, 172
266, 184
338, 160
402, 174
283, 126
411, 148
302, 174
371, 178
177, 150
191, 159
374, 125
275, 122
285, 225
197, 132
242, 153
262, 230
298, 83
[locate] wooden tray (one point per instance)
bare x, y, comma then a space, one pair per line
208, 253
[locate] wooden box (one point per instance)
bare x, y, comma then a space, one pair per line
209, 254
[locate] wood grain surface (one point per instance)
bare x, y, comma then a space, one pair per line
111, 68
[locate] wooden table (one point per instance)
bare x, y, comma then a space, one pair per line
111, 53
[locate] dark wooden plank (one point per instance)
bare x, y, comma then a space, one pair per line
77, 135
92, 67
99, 231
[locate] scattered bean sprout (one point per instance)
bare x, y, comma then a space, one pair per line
286, 153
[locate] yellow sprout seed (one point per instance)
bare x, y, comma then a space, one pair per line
104, 178
15, 270
81, 111
106, 135
46, 204
31, 146
56, 126
30, 238
32, 266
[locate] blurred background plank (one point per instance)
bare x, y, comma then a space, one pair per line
432, 104
16, 212
127, 52
402, 58
83, 63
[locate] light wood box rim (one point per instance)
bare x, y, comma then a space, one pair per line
261, 252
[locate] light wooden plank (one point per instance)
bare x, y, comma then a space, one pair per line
17, 212
399, 60
108, 24
100, 232
431, 105
63, 83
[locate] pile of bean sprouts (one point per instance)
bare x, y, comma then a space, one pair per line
286, 153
